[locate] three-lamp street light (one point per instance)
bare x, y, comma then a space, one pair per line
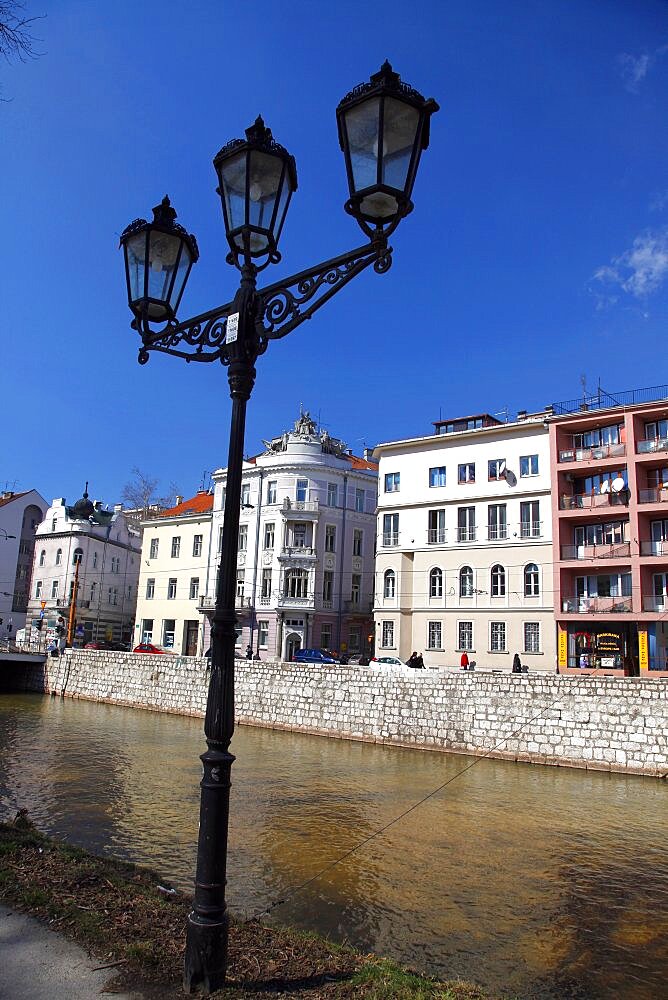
383, 127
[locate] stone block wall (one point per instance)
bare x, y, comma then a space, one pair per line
604, 723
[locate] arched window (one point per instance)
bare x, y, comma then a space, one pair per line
296, 583
466, 582
42, 557
531, 580
59, 557
77, 557
389, 583
498, 581
436, 583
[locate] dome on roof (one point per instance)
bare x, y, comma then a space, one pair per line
83, 509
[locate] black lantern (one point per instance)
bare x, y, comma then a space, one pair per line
158, 259
256, 178
383, 128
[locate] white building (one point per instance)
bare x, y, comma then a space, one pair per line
306, 546
174, 567
97, 549
464, 544
20, 514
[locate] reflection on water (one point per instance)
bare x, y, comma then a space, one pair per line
540, 882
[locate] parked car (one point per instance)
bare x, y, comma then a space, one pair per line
358, 659
104, 644
314, 656
149, 647
387, 661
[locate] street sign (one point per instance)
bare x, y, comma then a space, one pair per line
41, 614
231, 327
43, 603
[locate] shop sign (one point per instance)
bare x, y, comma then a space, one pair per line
642, 649
563, 648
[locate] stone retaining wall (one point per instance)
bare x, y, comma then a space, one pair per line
605, 723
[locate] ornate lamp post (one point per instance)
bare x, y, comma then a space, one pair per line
383, 128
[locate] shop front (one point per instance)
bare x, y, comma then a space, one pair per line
609, 648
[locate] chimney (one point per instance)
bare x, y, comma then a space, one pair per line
178, 499
368, 454
521, 414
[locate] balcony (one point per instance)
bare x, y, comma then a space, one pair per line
597, 605
362, 607
466, 534
285, 601
655, 603
652, 446
207, 603
390, 539
619, 551
436, 536
531, 529
300, 509
497, 533
655, 495
597, 453
654, 549
298, 552
588, 501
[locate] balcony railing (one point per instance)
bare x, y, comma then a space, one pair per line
597, 452
207, 603
436, 536
286, 601
300, 506
466, 534
362, 607
531, 529
652, 445
654, 548
655, 602
497, 532
298, 550
584, 501
390, 539
619, 551
655, 495
597, 605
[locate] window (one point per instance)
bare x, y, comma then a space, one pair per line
389, 583
147, 630
392, 481
171, 588
112, 595
220, 540
656, 429
436, 583
296, 583
176, 546
434, 635
154, 548
355, 588
150, 589
168, 629
496, 469
269, 535
532, 637
54, 589
94, 560
497, 637
436, 527
437, 476
194, 588
387, 637
263, 634
326, 635
332, 494
354, 636
302, 490
360, 497
266, 584
38, 589
59, 557
197, 545
241, 584
530, 519
330, 538
42, 557
93, 592
243, 537
531, 580
496, 521
327, 587
390, 529
299, 535
498, 581
466, 582
245, 495
271, 491
466, 524
465, 635
358, 535
528, 465
54, 523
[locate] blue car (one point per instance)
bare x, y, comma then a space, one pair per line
314, 656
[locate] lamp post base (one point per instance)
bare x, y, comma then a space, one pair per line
206, 954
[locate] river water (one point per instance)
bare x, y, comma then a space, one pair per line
536, 882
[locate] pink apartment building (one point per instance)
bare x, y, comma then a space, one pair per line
609, 459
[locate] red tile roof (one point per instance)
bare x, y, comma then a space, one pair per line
362, 463
15, 496
199, 504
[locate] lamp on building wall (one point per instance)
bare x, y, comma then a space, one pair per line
5, 537
383, 128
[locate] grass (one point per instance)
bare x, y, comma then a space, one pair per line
117, 913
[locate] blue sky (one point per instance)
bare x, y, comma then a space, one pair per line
537, 251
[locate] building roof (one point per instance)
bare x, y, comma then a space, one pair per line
201, 503
7, 497
362, 463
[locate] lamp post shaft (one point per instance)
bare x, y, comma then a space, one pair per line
207, 934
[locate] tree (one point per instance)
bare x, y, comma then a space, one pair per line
16, 40
140, 493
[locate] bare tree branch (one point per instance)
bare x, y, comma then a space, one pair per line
16, 39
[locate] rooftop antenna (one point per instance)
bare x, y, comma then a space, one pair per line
205, 474
583, 383
502, 413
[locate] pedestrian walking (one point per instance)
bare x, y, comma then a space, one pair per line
464, 662
517, 666
249, 652
412, 660
419, 662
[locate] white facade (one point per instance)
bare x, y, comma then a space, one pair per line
464, 545
106, 551
20, 514
174, 568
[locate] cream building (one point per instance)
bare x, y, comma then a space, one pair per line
464, 544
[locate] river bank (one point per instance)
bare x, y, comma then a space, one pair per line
119, 913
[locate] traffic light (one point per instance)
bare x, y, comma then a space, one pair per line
38, 624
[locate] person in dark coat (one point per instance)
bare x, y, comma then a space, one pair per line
412, 660
517, 666
419, 662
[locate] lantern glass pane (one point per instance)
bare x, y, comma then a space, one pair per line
135, 250
400, 124
181, 275
265, 179
163, 251
233, 183
283, 200
362, 130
